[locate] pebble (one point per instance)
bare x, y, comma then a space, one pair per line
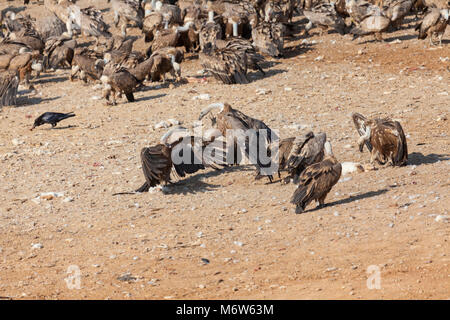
238, 243
203, 96
37, 246
441, 218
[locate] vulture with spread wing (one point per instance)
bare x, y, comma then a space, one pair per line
167, 157
239, 125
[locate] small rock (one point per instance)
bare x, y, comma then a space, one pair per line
203, 96
441, 218
37, 246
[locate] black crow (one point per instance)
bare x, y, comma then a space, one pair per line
52, 118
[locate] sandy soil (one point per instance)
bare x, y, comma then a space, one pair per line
386, 217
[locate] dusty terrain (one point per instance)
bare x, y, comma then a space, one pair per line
386, 217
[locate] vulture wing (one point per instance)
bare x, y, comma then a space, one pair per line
360, 123
156, 164
225, 65
9, 82
316, 181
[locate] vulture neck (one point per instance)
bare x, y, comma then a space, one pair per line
235, 29
210, 16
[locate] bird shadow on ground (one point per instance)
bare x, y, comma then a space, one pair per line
291, 52
350, 199
417, 158
257, 75
146, 98
50, 79
28, 101
402, 38
62, 128
194, 184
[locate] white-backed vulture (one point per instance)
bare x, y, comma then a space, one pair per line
209, 33
240, 125
9, 82
88, 63
370, 19
59, 52
168, 38
158, 161
297, 153
171, 13
166, 60
279, 11
246, 49
384, 138
153, 22
316, 181
50, 26
21, 62
117, 79
434, 23
128, 10
239, 16
324, 15
89, 20
230, 61
268, 38
396, 10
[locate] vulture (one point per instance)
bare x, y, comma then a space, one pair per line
59, 52
370, 19
153, 22
434, 23
384, 138
279, 11
9, 82
239, 125
166, 60
158, 161
170, 12
89, 20
268, 38
238, 16
117, 79
230, 60
316, 181
23, 62
297, 153
51, 118
210, 31
88, 63
324, 15
396, 10
128, 10
168, 37
50, 26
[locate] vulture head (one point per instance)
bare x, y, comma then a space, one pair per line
212, 106
174, 135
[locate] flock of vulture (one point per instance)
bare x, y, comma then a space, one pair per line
230, 37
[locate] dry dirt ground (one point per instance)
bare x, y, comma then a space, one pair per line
151, 245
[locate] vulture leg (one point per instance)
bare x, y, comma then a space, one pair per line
75, 70
322, 201
116, 18
123, 29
